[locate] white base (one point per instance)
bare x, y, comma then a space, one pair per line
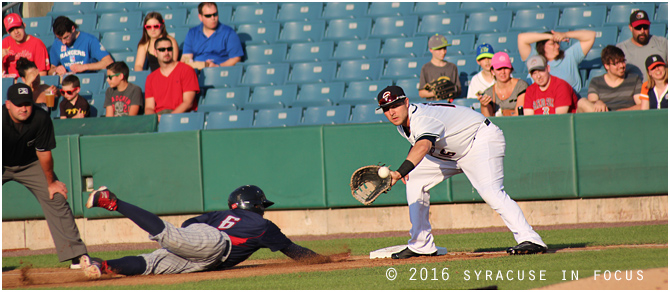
387, 251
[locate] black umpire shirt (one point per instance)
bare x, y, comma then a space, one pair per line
19, 141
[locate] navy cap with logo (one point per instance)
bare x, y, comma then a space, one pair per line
390, 95
639, 17
19, 94
653, 61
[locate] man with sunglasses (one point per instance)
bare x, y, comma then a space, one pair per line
75, 51
642, 45
20, 44
447, 140
211, 44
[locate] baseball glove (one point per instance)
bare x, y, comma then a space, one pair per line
443, 88
366, 185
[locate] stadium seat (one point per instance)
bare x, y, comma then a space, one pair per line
121, 21
181, 122
620, 13
470, 7
91, 83
220, 76
156, 6
535, 20
225, 14
352, 49
265, 74
267, 97
472, 103
606, 35
445, 24
65, 8
127, 56
302, 31
348, 29
594, 73
282, 117
258, 33
467, 67
111, 7
38, 26
138, 78
500, 41
49, 80
311, 51
404, 47
224, 99
410, 87
257, 13
175, 17
395, 26
300, 11
582, 17
525, 5
662, 13
229, 120
85, 22
6, 83
494, 21
179, 34
409, 67
568, 4
367, 113
265, 54
326, 115
48, 40
319, 94
424, 8
121, 41
363, 92
461, 44
312, 72
378, 9
360, 70
592, 60
97, 103
345, 10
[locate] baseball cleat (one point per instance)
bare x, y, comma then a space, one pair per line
91, 267
103, 198
407, 253
526, 247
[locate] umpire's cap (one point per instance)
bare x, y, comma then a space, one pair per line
390, 95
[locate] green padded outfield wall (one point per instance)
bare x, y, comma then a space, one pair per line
106, 126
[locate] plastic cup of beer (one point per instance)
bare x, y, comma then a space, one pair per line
51, 96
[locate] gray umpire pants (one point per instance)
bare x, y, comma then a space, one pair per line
57, 212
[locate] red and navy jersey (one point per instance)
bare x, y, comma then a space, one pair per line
247, 230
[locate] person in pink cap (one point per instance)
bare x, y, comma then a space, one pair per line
507, 94
19, 44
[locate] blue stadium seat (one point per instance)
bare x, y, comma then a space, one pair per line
300, 11
326, 115
423, 8
620, 13
592, 60
121, 41
568, 4
506, 42
6, 83
302, 31
156, 6
97, 103
517, 64
312, 72
175, 17
360, 70
535, 19
606, 35
181, 122
472, 103
363, 92
410, 87
128, 57
345, 10
225, 14
229, 120
267, 97
348, 29
49, 80
494, 21
85, 22
319, 94
65, 8
662, 13
38, 26
265, 74
445, 24
179, 34
107, 7
138, 78
256, 13
461, 44
352, 49
258, 33
121, 21
224, 99
467, 67
395, 26
390, 8
311, 51
470, 7
91, 83
594, 73
265, 54
367, 113
525, 5
48, 40
582, 17
281, 117
408, 67
220, 76
404, 47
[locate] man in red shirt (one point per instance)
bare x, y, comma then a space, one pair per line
549, 94
19, 44
171, 88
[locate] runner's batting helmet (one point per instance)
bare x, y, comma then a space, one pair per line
249, 198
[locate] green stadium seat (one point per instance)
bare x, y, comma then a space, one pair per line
311, 51
352, 49
281, 117
181, 122
326, 115
229, 120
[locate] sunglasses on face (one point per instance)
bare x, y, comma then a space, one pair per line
155, 26
211, 15
169, 49
68, 92
112, 76
642, 27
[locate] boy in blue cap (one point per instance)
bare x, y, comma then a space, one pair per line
484, 79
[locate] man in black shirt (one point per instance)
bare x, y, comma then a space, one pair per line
27, 140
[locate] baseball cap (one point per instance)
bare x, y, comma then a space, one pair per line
12, 20
437, 41
485, 51
536, 62
654, 60
19, 94
390, 95
501, 60
639, 17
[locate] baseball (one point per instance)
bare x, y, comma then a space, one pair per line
383, 172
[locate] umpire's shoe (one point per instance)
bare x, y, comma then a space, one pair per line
527, 247
102, 198
91, 267
407, 253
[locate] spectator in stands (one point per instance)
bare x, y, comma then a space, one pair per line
614, 91
75, 51
73, 105
642, 45
154, 28
549, 94
122, 98
27, 141
484, 79
564, 64
211, 44
507, 94
20, 44
655, 90
438, 67
171, 88
30, 75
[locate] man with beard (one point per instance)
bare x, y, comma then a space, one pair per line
642, 45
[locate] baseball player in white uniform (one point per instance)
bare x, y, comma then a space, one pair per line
447, 140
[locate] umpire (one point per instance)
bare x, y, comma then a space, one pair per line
27, 140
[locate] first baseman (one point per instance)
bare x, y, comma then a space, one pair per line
447, 140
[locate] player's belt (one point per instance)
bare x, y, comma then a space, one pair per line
487, 122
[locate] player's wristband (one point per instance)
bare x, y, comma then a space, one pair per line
405, 168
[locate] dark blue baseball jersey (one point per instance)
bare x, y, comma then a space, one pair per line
247, 230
